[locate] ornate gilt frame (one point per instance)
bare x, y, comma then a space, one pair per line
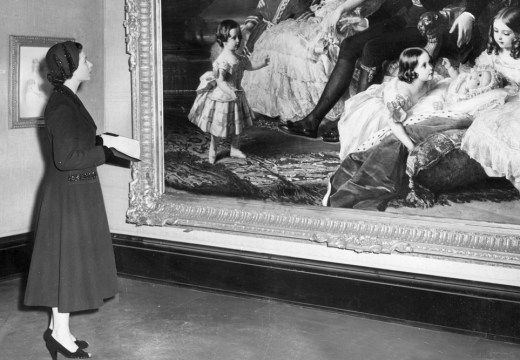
360, 231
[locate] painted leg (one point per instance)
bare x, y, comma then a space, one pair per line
338, 83
235, 148
212, 155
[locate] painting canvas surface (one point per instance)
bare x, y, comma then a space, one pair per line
279, 167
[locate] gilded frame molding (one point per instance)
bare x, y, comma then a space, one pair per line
355, 230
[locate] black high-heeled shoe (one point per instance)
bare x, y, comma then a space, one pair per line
82, 344
55, 347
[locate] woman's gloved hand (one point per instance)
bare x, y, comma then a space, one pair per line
109, 154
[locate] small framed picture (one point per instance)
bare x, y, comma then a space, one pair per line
29, 89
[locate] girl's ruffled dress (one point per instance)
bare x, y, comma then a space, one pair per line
213, 110
493, 139
368, 112
301, 60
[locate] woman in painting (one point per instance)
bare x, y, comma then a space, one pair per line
493, 138
72, 267
272, 12
303, 53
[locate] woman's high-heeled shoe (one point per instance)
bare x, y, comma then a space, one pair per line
55, 347
82, 344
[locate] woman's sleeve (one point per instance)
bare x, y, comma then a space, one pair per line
300, 9
475, 7
67, 154
258, 15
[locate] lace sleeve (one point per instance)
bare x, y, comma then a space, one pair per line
221, 65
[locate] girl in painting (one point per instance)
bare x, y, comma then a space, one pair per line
369, 179
494, 137
303, 53
72, 266
221, 107
386, 104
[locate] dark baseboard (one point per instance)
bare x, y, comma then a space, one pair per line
481, 309
15, 255
486, 310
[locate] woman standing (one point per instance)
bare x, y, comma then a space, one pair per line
72, 266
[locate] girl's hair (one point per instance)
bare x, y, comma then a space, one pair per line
408, 62
223, 30
510, 16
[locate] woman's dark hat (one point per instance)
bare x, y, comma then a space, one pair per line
62, 60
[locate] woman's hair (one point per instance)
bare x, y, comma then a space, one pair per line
510, 16
62, 60
223, 30
408, 62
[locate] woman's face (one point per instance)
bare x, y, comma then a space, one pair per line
424, 68
503, 35
84, 69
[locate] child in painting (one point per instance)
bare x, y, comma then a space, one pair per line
461, 95
493, 138
221, 107
386, 104
368, 179
467, 85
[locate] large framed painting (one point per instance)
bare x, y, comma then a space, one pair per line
277, 190
29, 89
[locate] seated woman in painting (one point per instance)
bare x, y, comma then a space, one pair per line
303, 53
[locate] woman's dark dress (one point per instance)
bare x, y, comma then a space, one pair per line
369, 179
72, 266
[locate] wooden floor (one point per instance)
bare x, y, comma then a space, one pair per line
150, 321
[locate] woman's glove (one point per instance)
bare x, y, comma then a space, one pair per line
109, 154
99, 140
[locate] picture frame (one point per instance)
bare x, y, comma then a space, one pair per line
448, 239
29, 89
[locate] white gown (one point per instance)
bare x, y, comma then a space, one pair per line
370, 111
493, 139
301, 60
